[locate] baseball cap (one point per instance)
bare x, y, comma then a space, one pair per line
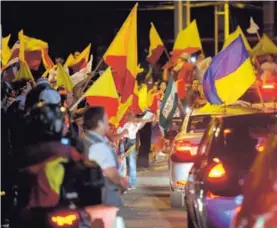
50, 96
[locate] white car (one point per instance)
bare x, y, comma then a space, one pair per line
186, 142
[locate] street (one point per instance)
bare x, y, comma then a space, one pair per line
148, 206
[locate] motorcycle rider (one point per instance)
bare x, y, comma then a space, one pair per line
41, 162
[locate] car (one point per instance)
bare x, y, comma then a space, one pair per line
260, 185
262, 96
185, 144
227, 150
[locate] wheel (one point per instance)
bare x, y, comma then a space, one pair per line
176, 199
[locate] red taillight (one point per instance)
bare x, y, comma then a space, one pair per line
64, 219
260, 146
184, 151
217, 171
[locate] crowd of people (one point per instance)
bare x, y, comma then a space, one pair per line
40, 134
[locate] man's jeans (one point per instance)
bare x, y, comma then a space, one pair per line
130, 162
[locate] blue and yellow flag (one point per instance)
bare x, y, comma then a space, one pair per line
229, 75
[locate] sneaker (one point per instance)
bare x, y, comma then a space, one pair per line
132, 188
161, 154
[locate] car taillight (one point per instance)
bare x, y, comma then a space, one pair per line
184, 151
260, 146
64, 219
217, 172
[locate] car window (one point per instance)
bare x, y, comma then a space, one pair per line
198, 124
251, 96
240, 140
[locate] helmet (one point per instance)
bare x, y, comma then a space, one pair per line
46, 122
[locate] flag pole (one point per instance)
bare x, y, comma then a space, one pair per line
92, 74
87, 82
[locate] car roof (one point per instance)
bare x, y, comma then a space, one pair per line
209, 109
247, 116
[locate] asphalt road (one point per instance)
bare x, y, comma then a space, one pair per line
148, 206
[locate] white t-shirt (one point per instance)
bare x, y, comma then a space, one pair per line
132, 130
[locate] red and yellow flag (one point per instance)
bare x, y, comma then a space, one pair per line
103, 93
47, 61
79, 61
156, 46
188, 41
30, 50
122, 113
121, 56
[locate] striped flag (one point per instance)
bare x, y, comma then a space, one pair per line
169, 104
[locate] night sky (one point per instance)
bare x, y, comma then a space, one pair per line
70, 26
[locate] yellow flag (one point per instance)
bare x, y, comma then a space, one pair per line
265, 46
234, 36
63, 79
21, 46
24, 72
5, 51
188, 38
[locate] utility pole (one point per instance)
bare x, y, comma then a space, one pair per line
268, 18
182, 16
221, 22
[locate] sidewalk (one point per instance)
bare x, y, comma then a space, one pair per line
160, 163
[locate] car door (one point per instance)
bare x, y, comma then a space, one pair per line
194, 186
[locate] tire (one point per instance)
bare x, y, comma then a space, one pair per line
176, 199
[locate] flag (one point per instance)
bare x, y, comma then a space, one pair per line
156, 46
24, 72
120, 119
154, 99
79, 62
103, 93
29, 49
63, 79
136, 100
5, 50
82, 74
265, 46
188, 41
46, 60
122, 56
229, 75
238, 32
169, 104
254, 28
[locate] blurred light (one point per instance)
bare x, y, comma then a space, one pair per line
217, 171
227, 131
3, 193
216, 160
64, 220
193, 59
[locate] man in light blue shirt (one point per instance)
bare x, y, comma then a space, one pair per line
98, 150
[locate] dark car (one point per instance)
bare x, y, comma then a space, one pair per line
261, 185
225, 155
